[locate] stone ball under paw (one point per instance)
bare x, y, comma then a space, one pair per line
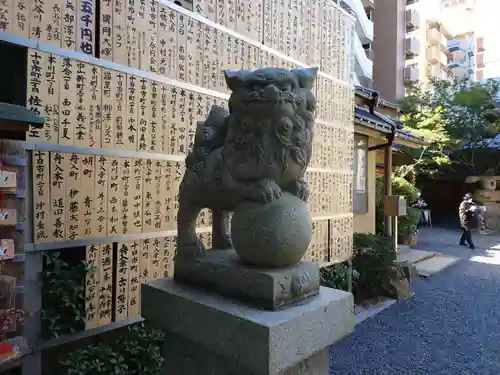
276, 234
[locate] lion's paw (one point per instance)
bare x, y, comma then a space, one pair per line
301, 190
268, 191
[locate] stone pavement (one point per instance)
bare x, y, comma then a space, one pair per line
445, 241
449, 327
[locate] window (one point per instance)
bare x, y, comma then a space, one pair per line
360, 185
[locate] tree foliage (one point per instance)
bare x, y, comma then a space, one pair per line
448, 115
464, 106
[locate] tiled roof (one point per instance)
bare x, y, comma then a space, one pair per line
384, 124
370, 95
491, 143
364, 117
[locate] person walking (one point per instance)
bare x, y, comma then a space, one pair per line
466, 212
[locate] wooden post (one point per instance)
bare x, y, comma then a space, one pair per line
349, 275
388, 184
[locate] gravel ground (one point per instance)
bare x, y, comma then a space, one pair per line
451, 326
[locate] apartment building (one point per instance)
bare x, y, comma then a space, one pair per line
487, 53
460, 16
363, 51
480, 59
418, 40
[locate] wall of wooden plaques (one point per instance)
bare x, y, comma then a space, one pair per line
155, 37
113, 289
68, 24
86, 195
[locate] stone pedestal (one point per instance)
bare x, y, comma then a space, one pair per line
207, 334
222, 272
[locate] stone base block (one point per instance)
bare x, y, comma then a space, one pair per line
222, 272
212, 335
186, 357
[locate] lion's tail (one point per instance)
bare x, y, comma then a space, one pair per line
210, 134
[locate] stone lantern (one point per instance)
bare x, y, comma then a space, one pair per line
489, 196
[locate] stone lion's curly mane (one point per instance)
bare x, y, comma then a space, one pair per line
248, 131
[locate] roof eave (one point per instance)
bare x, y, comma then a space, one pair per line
402, 138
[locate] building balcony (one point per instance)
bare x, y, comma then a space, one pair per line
435, 37
364, 26
412, 47
431, 71
438, 72
411, 74
436, 56
480, 60
459, 72
458, 64
454, 45
412, 19
363, 66
458, 55
480, 44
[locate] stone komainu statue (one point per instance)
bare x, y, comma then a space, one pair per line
261, 147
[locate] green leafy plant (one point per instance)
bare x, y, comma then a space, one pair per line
373, 266
63, 295
136, 352
448, 114
335, 276
407, 225
373, 269
401, 186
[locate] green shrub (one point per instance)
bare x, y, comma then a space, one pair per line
373, 266
137, 352
379, 205
373, 269
335, 276
406, 224
401, 186
63, 295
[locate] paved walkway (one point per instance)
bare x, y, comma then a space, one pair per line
451, 326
